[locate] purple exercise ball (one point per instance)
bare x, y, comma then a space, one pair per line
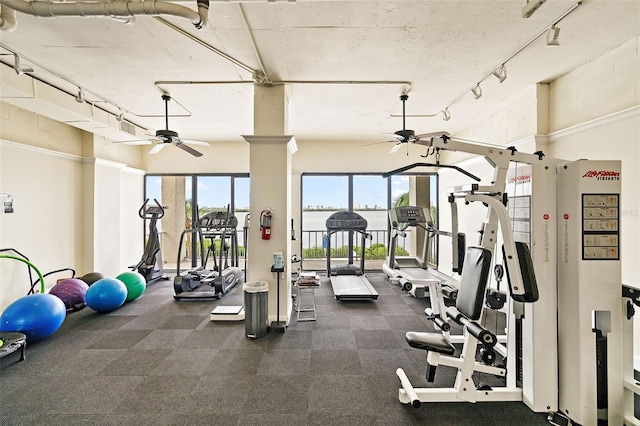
72, 292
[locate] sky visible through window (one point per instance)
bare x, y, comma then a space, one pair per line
327, 191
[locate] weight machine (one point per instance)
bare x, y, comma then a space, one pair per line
571, 365
528, 378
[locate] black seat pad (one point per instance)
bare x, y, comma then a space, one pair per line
434, 342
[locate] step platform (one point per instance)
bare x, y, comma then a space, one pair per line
228, 313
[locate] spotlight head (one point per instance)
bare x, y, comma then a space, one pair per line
531, 7
477, 91
446, 115
552, 36
80, 95
501, 73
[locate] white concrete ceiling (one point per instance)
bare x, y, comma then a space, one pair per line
441, 47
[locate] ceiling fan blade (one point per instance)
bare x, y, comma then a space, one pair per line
156, 148
136, 142
376, 143
189, 150
395, 148
195, 142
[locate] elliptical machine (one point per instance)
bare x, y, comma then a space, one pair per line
151, 266
202, 283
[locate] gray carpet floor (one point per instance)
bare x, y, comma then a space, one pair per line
156, 361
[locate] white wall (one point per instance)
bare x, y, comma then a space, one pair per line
49, 169
616, 137
47, 222
604, 86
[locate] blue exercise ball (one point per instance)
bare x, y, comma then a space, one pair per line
106, 295
37, 316
72, 291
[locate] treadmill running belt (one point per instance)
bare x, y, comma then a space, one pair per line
353, 287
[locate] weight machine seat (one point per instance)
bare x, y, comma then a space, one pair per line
469, 303
434, 342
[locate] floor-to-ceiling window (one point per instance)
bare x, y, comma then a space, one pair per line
188, 197
371, 196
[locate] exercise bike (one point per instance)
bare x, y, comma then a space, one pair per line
151, 266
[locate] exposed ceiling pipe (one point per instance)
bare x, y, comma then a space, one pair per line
205, 45
7, 18
114, 9
264, 78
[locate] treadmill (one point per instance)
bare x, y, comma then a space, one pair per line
409, 270
348, 281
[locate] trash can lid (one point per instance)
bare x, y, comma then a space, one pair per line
256, 286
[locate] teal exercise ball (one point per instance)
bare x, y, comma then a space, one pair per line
135, 283
37, 316
106, 295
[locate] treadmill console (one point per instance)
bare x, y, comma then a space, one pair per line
405, 216
218, 220
346, 221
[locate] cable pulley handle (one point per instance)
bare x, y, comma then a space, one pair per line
446, 166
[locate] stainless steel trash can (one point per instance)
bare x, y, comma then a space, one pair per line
256, 300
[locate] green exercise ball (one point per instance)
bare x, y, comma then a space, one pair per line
135, 283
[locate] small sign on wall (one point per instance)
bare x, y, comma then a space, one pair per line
7, 202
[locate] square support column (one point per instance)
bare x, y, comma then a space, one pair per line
270, 186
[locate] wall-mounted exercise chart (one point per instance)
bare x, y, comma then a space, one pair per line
520, 212
600, 227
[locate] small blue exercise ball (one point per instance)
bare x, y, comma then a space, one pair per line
106, 295
37, 316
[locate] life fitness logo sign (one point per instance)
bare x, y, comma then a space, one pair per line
602, 175
520, 179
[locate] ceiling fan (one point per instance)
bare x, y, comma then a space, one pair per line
165, 136
405, 135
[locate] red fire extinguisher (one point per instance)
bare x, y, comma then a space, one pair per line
265, 224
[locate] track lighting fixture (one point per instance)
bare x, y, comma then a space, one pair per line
80, 95
552, 32
120, 116
20, 69
501, 73
552, 36
477, 91
531, 7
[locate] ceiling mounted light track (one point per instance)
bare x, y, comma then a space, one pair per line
500, 72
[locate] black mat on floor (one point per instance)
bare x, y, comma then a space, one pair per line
156, 361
